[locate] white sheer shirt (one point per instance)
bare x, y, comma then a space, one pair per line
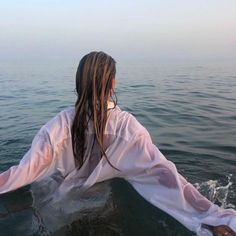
130, 149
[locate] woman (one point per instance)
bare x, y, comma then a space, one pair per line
96, 141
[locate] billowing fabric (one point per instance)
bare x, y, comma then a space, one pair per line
129, 148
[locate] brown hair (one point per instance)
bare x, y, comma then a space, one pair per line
94, 77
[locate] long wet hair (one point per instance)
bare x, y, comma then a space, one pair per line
94, 77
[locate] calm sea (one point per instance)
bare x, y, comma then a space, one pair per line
189, 110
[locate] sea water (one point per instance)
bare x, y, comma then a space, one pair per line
188, 108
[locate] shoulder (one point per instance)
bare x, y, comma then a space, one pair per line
59, 126
64, 117
125, 124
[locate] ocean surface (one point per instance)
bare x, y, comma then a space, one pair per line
189, 110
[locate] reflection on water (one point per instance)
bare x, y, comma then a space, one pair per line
120, 215
189, 111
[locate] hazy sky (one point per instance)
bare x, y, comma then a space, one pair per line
128, 29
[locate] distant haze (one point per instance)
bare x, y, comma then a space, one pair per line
59, 30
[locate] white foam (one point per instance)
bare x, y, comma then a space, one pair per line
216, 192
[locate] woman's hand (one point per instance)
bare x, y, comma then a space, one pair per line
223, 230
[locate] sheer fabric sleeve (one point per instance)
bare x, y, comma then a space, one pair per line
36, 164
158, 181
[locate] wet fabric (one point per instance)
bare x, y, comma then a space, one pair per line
50, 163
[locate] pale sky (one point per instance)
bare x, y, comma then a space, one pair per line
41, 30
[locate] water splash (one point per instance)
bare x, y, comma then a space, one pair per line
216, 192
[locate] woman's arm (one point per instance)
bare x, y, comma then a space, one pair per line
162, 185
36, 164
158, 181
